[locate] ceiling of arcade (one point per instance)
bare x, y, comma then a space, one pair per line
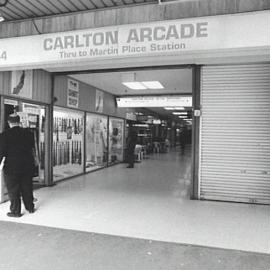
26, 9
14, 10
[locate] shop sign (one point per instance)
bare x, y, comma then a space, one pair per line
142, 118
31, 108
73, 93
99, 101
131, 116
154, 101
11, 102
186, 36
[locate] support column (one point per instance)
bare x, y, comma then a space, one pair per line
196, 79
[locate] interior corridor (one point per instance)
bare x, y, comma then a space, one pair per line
151, 202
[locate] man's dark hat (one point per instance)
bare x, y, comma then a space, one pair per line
14, 118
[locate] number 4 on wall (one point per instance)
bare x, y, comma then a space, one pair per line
3, 55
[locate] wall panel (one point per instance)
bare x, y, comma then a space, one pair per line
60, 91
87, 98
42, 86
4, 82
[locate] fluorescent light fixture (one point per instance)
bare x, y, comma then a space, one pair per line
153, 84
179, 113
182, 116
141, 125
1, 18
179, 108
134, 85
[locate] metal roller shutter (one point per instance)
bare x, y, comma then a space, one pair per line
235, 133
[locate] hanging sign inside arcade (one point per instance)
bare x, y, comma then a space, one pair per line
155, 38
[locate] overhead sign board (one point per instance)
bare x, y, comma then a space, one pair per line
192, 35
154, 101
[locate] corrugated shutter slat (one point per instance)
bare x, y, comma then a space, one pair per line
235, 133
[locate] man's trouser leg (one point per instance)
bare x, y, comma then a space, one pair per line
13, 186
130, 158
27, 191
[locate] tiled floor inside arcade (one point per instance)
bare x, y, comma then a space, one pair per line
150, 201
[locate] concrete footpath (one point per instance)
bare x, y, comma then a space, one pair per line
31, 247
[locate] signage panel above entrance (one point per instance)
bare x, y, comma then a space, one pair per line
154, 101
178, 37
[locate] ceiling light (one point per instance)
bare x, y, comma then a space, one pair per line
135, 85
141, 125
179, 113
182, 116
169, 108
1, 18
153, 84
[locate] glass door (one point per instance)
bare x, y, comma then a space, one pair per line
116, 140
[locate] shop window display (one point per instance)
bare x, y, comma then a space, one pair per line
96, 142
32, 117
68, 144
116, 136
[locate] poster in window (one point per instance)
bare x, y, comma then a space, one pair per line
99, 101
73, 94
22, 83
24, 119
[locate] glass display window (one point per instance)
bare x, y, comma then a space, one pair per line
116, 140
96, 142
68, 143
32, 117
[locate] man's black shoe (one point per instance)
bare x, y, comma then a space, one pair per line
10, 214
130, 166
31, 211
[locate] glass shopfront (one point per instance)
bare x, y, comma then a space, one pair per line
68, 143
116, 140
32, 117
103, 138
96, 142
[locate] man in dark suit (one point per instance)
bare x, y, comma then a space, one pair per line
17, 145
131, 143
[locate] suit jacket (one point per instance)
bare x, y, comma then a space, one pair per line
17, 144
131, 142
